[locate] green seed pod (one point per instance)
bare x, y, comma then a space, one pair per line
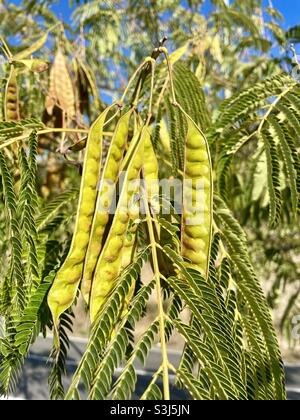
196, 170
197, 216
128, 249
196, 244
198, 258
196, 231
64, 289
104, 281
150, 172
200, 156
11, 101
107, 183
150, 175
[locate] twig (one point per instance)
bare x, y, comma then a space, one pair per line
48, 131
161, 313
165, 52
6, 49
153, 381
295, 55
269, 111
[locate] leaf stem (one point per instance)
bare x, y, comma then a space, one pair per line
154, 379
153, 64
161, 314
48, 131
161, 95
269, 111
6, 49
295, 55
165, 52
140, 67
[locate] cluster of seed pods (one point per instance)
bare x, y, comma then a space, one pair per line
104, 244
107, 183
112, 256
64, 289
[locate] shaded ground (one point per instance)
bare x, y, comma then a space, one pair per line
33, 384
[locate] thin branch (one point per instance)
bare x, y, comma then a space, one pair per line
154, 379
165, 52
269, 111
153, 64
6, 49
161, 313
49, 131
131, 80
295, 56
161, 95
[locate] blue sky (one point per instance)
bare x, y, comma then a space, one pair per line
289, 8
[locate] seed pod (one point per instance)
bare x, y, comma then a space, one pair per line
150, 176
12, 112
150, 172
127, 258
64, 289
197, 200
106, 272
35, 65
33, 48
61, 90
104, 200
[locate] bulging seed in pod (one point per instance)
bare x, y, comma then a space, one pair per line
198, 156
195, 170
193, 244
196, 231
120, 228
94, 167
115, 246
116, 152
197, 258
102, 218
83, 222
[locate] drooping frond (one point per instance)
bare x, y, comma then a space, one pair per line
190, 95
53, 209
59, 358
267, 112
103, 328
21, 334
16, 269
12, 129
225, 336
249, 286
